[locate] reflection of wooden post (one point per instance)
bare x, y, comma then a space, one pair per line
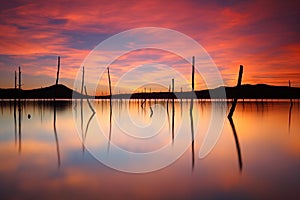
173, 110
192, 132
55, 134
87, 98
237, 144
236, 92
193, 74
15, 122
19, 122
58, 66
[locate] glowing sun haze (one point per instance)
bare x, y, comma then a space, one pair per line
261, 35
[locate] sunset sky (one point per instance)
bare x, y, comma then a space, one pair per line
261, 35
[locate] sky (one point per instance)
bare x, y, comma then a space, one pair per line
263, 36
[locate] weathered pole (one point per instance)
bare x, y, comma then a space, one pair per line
82, 80
20, 81
15, 80
291, 101
236, 92
172, 85
58, 66
193, 74
109, 82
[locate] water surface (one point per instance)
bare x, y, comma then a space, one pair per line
42, 155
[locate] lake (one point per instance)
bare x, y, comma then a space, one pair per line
132, 149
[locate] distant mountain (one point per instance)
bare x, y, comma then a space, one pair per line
259, 91
263, 91
54, 91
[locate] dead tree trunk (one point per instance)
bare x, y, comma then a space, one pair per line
237, 88
15, 80
15, 92
58, 66
291, 100
20, 77
173, 85
109, 82
193, 74
82, 80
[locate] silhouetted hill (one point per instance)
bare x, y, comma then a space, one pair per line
54, 91
247, 91
263, 91
259, 91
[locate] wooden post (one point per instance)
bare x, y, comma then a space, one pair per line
15, 80
291, 107
173, 85
82, 80
20, 77
58, 66
193, 74
291, 101
236, 92
109, 82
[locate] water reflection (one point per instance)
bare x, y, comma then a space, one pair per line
55, 133
15, 121
173, 116
290, 114
237, 144
215, 174
110, 124
19, 125
192, 133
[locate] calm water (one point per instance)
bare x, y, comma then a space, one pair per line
43, 156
